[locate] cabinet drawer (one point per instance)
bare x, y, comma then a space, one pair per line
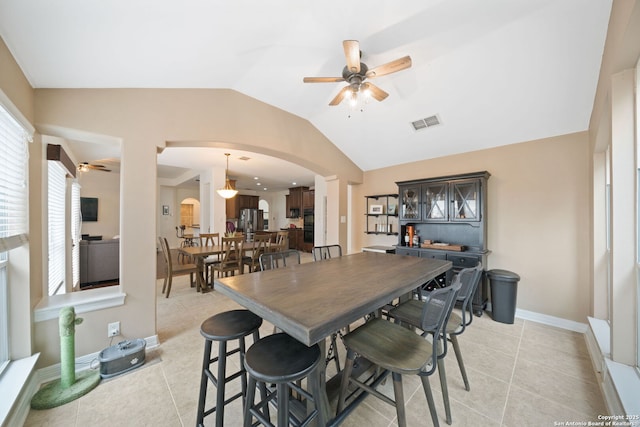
463, 261
433, 255
410, 252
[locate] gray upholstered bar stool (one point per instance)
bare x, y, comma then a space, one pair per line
222, 328
282, 360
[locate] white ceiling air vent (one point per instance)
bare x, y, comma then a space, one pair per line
425, 123
245, 158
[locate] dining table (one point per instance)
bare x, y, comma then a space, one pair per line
311, 301
199, 253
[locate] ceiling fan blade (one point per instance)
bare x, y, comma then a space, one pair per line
322, 79
98, 168
352, 53
340, 96
376, 93
390, 67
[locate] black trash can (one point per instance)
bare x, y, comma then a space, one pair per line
504, 290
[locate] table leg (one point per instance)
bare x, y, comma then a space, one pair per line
324, 405
201, 286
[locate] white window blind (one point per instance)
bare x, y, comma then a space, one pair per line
13, 182
75, 232
56, 204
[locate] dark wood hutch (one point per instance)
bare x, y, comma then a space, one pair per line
447, 210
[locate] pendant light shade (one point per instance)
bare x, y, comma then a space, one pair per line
227, 192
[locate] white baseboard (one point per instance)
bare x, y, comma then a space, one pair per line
545, 319
558, 322
88, 361
594, 352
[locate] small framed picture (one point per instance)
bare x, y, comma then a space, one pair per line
392, 210
375, 209
165, 209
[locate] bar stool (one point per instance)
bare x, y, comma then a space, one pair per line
282, 360
225, 327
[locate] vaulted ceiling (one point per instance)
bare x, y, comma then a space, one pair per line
493, 72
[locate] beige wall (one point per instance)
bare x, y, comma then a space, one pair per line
143, 120
538, 216
106, 187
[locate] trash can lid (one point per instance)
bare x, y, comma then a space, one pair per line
503, 274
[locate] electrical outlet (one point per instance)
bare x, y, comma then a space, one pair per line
113, 329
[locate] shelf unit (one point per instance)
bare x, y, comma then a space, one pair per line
382, 214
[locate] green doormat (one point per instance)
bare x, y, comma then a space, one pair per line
53, 394
68, 387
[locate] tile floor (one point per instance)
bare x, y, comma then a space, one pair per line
525, 374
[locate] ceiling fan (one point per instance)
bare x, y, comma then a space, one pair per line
86, 166
355, 73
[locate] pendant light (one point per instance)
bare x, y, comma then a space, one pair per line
227, 192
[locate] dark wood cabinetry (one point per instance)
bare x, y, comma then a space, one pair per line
241, 201
296, 239
450, 209
308, 199
294, 202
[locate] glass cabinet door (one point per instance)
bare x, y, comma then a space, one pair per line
465, 202
435, 202
410, 202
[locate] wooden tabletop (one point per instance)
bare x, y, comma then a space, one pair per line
311, 301
205, 251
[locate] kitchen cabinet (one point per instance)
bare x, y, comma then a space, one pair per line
448, 209
239, 202
294, 202
381, 212
296, 239
308, 199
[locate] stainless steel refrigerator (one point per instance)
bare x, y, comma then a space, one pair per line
250, 221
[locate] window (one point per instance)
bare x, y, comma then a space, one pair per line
56, 226
13, 210
76, 225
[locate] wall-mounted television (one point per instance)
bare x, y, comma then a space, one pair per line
89, 208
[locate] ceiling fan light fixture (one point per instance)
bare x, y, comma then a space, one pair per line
227, 192
353, 98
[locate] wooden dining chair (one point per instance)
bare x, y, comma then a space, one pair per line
260, 246
209, 239
231, 257
400, 351
174, 270
281, 242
